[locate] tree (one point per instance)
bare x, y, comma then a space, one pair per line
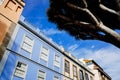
87, 19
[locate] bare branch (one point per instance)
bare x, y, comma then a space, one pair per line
108, 10
91, 16
64, 17
77, 23
87, 19
85, 3
109, 31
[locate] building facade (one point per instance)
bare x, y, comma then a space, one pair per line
27, 54
100, 74
33, 56
10, 10
74, 69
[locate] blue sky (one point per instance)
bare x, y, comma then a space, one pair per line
106, 55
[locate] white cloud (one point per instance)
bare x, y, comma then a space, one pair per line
92, 46
73, 47
107, 57
52, 31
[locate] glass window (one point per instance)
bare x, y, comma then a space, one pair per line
20, 70
28, 44
57, 60
74, 71
44, 53
56, 78
89, 63
67, 66
81, 75
86, 76
41, 75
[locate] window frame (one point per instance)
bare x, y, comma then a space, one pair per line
17, 68
57, 60
24, 43
74, 71
43, 55
86, 76
56, 77
81, 74
41, 77
68, 67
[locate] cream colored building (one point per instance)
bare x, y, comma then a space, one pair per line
73, 69
99, 73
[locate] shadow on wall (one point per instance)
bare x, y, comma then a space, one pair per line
5, 35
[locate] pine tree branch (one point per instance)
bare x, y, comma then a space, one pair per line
108, 10
91, 16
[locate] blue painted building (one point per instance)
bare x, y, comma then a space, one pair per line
31, 56
27, 54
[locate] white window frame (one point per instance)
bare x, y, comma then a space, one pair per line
27, 44
18, 69
41, 78
74, 71
81, 75
44, 53
57, 60
1, 2
67, 66
86, 76
56, 78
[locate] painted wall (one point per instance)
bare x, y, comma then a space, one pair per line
70, 75
32, 70
33, 59
10, 11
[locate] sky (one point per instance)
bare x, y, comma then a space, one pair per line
106, 55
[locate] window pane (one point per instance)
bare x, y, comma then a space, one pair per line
56, 78
41, 75
27, 44
66, 66
57, 60
74, 71
44, 53
81, 75
86, 76
20, 70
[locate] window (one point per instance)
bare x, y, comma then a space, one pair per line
41, 75
56, 78
44, 53
1, 1
67, 68
28, 44
20, 70
81, 75
57, 60
89, 63
86, 76
74, 71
